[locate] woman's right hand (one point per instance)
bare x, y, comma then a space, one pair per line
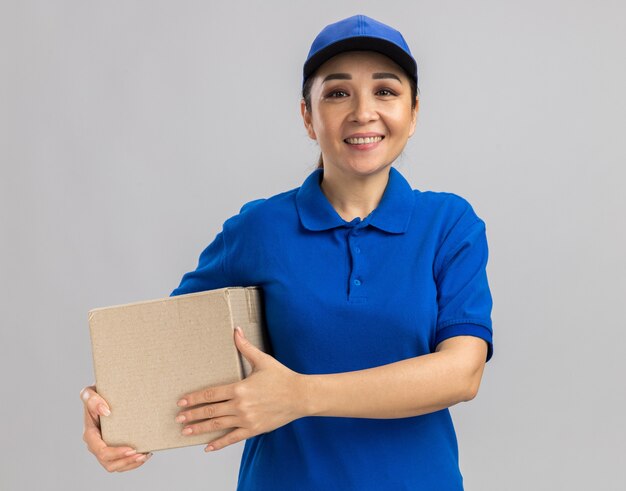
113, 459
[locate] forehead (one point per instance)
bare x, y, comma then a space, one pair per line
351, 61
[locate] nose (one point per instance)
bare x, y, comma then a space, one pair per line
364, 109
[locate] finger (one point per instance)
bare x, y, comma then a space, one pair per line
228, 439
133, 465
95, 403
253, 354
118, 465
217, 393
91, 432
90, 420
97, 446
84, 396
205, 411
101, 450
112, 454
210, 425
93, 439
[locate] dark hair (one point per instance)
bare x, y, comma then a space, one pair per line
306, 95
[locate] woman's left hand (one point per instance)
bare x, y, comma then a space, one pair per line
270, 397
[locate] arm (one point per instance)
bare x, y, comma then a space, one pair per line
274, 395
410, 387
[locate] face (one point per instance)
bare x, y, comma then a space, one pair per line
354, 95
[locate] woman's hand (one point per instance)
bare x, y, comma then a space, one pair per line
113, 459
270, 397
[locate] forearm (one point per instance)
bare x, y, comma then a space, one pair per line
410, 387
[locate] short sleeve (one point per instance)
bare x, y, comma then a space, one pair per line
215, 267
210, 274
463, 294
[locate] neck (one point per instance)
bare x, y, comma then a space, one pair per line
352, 196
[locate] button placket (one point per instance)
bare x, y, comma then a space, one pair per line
354, 281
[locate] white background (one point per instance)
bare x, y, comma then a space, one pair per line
131, 130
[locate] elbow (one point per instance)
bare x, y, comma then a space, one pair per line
470, 393
465, 390
472, 384
468, 357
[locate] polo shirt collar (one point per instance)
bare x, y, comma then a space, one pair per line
391, 215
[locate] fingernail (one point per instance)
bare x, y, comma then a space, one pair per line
84, 395
182, 402
130, 452
187, 431
149, 455
141, 458
239, 331
104, 410
180, 418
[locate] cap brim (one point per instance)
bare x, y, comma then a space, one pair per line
379, 45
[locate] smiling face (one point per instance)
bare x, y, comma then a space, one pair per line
360, 111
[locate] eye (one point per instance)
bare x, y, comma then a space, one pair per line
389, 92
332, 94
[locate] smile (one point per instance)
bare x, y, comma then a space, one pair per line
362, 141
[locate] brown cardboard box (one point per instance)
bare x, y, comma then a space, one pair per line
148, 354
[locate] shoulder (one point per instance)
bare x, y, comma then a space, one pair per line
449, 208
258, 213
442, 200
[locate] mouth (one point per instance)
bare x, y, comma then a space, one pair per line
363, 140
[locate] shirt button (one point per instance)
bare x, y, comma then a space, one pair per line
357, 250
357, 282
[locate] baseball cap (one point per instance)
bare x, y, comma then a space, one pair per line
359, 32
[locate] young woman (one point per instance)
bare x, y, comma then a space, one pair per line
376, 298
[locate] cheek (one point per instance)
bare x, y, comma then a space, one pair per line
325, 125
402, 120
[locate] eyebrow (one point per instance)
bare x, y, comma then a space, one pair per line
347, 76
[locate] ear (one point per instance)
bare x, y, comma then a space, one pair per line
414, 116
306, 118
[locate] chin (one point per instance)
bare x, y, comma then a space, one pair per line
369, 169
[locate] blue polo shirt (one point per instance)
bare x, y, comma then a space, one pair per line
343, 296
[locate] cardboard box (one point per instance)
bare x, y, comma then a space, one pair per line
147, 355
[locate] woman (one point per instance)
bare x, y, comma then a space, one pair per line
376, 297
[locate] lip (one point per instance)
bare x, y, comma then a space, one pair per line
364, 146
364, 135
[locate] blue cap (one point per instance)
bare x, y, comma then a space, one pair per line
359, 32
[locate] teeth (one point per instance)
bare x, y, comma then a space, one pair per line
360, 141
